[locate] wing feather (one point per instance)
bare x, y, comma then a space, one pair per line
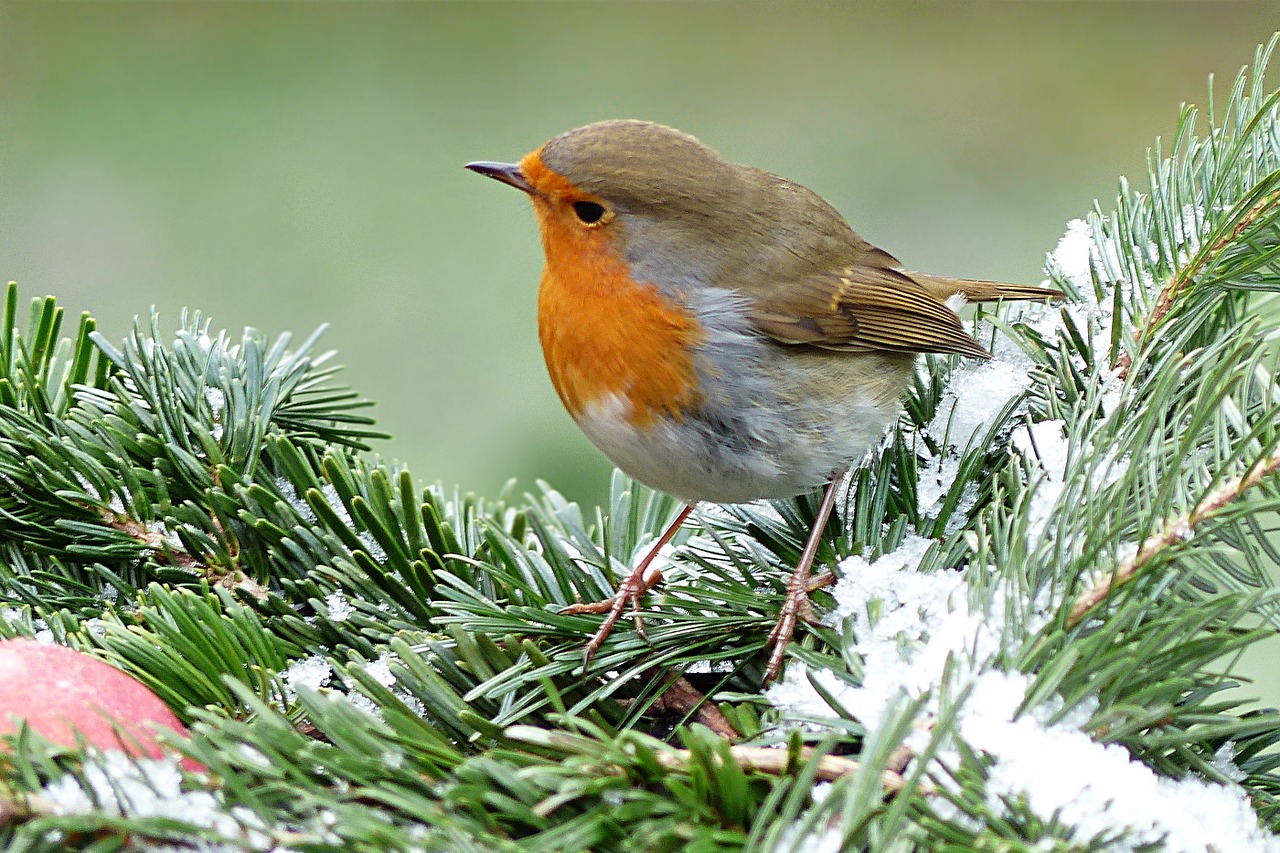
864, 308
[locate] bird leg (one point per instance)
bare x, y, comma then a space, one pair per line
797, 604
630, 590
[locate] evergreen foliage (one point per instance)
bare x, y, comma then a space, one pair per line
368, 664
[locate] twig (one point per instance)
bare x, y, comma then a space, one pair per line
1171, 291
157, 541
1171, 533
17, 806
160, 544
776, 761
900, 758
681, 697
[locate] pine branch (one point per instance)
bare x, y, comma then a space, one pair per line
1269, 204
1171, 534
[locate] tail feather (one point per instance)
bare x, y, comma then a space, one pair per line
982, 291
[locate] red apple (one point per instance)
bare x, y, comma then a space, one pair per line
58, 691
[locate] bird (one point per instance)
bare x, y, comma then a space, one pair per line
719, 332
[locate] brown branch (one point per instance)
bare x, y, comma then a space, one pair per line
18, 806
681, 697
153, 539
1171, 533
1179, 283
231, 578
777, 761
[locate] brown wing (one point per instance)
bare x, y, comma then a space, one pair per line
864, 308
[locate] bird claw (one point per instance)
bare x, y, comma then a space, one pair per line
629, 590
641, 580
797, 605
603, 606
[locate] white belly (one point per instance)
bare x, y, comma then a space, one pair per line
698, 460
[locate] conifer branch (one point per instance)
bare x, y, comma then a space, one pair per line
1179, 283
1172, 533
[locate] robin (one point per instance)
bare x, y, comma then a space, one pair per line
719, 332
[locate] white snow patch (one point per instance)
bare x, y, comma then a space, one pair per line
703, 667
975, 395
115, 784
158, 531
370, 544
360, 701
936, 479
1073, 254
300, 506
217, 401
1224, 761
1098, 789
313, 672
380, 669
910, 624
1188, 232
339, 607
1045, 442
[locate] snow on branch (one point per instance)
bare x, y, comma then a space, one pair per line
982, 634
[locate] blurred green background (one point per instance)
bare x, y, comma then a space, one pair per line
286, 165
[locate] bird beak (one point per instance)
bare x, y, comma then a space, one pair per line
508, 173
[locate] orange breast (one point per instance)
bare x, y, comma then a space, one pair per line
604, 334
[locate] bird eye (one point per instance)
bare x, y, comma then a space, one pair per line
588, 211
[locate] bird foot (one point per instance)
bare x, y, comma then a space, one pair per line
797, 605
630, 590
642, 579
